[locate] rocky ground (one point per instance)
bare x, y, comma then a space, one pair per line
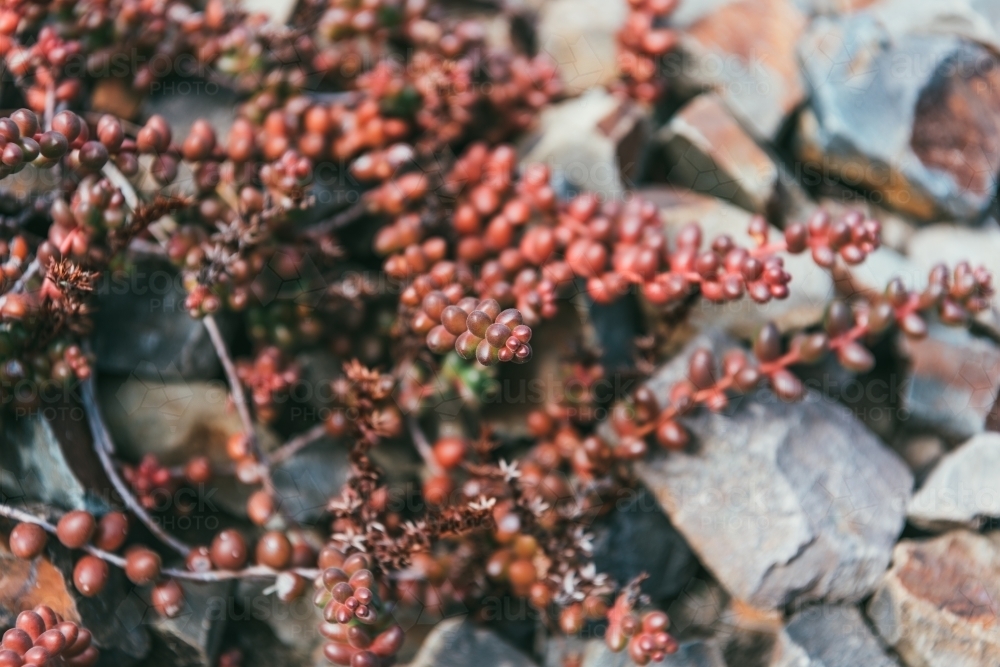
854, 528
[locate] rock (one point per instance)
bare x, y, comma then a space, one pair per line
954, 378
193, 637
901, 111
833, 636
141, 325
52, 460
114, 96
294, 624
698, 610
277, 13
951, 244
810, 499
305, 482
963, 489
745, 51
697, 653
638, 538
810, 290
162, 414
936, 607
457, 642
922, 452
580, 36
594, 142
871, 276
109, 615
707, 151
26, 584
755, 637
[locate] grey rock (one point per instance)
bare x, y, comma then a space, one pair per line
834, 636
457, 642
141, 326
937, 605
295, 625
951, 244
709, 152
809, 499
305, 482
697, 653
963, 489
112, 616
902, 110
637, 537
698, 609
193, 638
52, 461
953, 380
594, 142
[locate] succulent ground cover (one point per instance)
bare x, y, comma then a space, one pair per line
453, 267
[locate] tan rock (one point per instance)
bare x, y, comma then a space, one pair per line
580, 36
937, 604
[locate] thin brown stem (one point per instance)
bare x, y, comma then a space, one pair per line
104, 447
235, 387
296, 444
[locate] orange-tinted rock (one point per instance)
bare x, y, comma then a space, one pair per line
745, 50
708, 151
937, 605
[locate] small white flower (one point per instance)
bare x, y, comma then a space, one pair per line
482, 504
509, 470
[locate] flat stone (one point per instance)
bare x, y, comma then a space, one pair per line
52, 461
964, 488
953, 380
711, 153
594, 142
744, 50
580, 36
809, 498
457, 642
834, 636
904, 108
936, 607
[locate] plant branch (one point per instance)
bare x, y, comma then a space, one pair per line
296, 444
104, 447
253, 572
